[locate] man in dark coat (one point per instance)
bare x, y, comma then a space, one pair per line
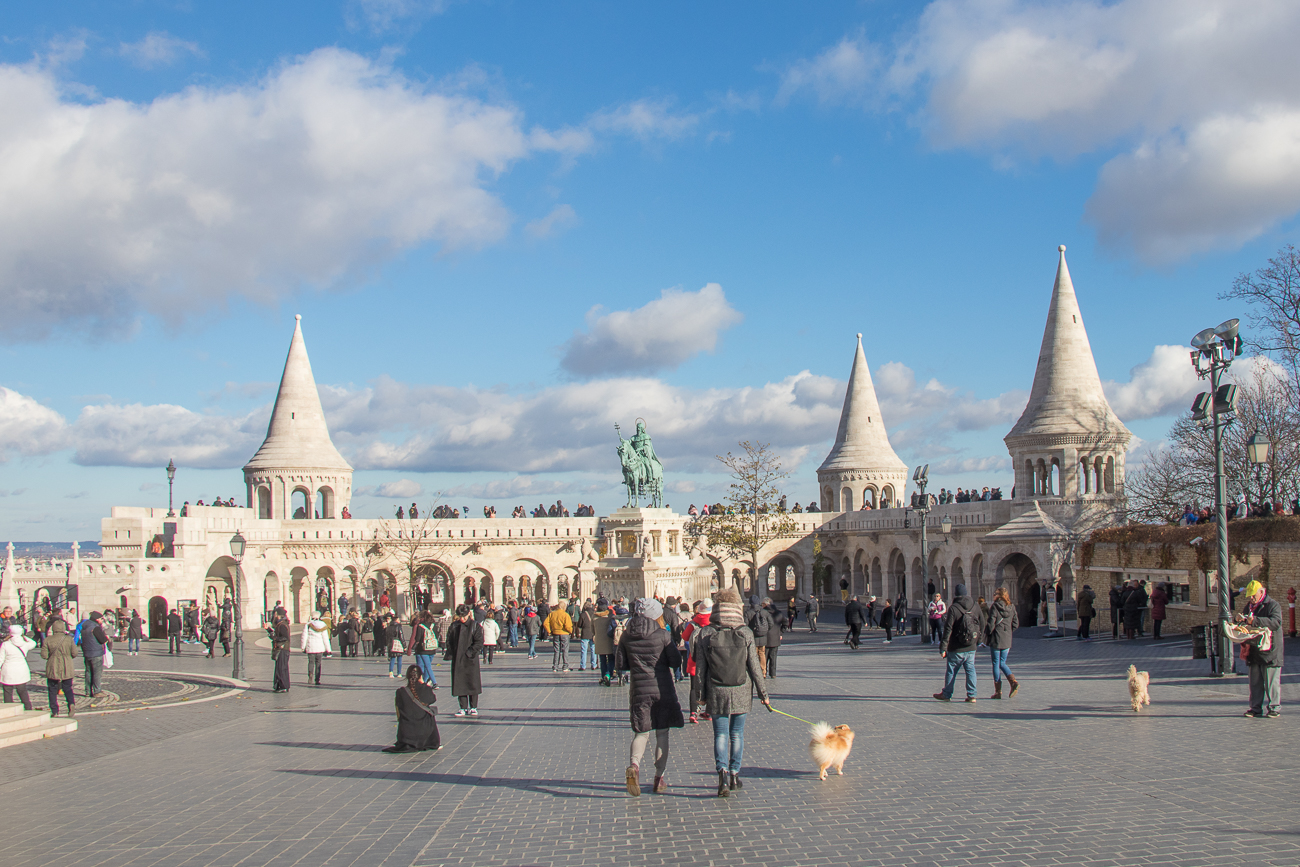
963, 627
464, 644
813, 610
647, 651
759, 620
777, 616
1116, 608
854, 617
1265, 665
174, 626
1135, 604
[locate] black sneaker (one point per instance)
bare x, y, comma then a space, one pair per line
1252, 713
1274, 713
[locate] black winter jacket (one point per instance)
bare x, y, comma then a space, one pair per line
1267, 613
1003, 620
647, 651
961, 606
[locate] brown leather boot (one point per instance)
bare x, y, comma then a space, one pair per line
1015, 685
997, 690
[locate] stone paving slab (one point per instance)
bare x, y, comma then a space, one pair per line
1065, 773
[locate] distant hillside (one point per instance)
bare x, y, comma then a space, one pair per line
61, 550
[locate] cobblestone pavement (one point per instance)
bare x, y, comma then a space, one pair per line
1065, 773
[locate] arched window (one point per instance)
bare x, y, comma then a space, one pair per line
263, 502
1110, 475
1054, 482
887, 497
1027, 483
1098, 476
1040, 478
869, 498
325, 503
846, 500
1085, 480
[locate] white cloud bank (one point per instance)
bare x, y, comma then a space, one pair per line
660, 335
309, 177
1198, 99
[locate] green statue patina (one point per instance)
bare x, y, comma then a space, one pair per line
643, 475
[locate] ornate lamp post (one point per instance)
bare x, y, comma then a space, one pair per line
237, 551
1213, 351
171, 477
922, 478
1257, 449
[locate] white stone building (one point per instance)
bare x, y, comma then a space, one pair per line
1067, 450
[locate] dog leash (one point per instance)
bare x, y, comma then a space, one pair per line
790, 715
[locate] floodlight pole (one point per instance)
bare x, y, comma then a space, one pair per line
1217, 366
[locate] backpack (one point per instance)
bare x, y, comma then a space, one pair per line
965, 629
616, 629
727, 657
76, 635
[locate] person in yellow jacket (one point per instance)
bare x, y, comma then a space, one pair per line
560, 626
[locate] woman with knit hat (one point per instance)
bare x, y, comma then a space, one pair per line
727, 663
647, 650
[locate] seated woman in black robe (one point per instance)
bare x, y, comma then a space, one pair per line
416, 727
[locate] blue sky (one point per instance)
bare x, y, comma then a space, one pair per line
508, 225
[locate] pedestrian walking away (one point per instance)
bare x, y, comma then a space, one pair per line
464, 643
210, 629
773, 636
174, 626
603, 642
887, 621
424, 641
559, 625
1084, 604
134, 632
963, 628
14, 671
58, 651
417, 726
586, 628
532, 629
699, 620
646, 650
934, 613
315, 643
1003, 621
854, 616
727, 661
811, 612
396, 640
95, 645
491, 637
1263, 657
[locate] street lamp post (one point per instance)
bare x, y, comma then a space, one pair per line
171, 477
922, 478
1213, 351
1257, 449
237, 551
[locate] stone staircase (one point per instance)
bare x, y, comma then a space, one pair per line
18, 726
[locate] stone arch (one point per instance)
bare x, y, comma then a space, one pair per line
846, 499
217, 584
1019, 573
325, 502
270, 594
828, 499
870, 497
858, 583
1110, 475
324, 590
887, 497
845, 575
897, 573
300, 502
299, 589
786, 561
915, 581
877, 578
484, 586
263, 495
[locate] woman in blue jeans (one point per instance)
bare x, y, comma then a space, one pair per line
726, 661
396, 645
1003, 620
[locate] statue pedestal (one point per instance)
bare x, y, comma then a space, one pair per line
645, 556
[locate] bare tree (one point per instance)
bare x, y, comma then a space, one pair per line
752, 518
1183, 473
1273, 293
415, 544
363, 555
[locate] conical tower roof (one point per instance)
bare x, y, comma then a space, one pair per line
297, 435
861, 442
1067, 397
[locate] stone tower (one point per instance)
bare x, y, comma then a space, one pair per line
297, 473
1068, 446
862, 464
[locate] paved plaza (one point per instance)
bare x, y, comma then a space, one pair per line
1063, 774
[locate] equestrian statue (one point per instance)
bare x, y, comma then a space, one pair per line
643, 475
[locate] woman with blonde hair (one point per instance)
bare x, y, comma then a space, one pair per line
1002, 621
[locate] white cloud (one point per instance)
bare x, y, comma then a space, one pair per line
1196, 102
662, 334
1162, 385
310, 177
381, 16
158, 49
136, 435
841, 73
401, 489
560, 219
646, 120
27, 428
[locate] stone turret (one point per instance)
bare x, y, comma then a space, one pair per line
1068, 443
862, 464
298, 472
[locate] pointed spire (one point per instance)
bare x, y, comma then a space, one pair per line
861, 442
298, 435
1067, 397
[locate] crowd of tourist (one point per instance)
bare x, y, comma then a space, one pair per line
1236, 509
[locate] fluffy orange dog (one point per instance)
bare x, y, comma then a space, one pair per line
1138, 681
830, 746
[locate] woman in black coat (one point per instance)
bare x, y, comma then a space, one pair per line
464, 644
417, 729
647, 650
280, 653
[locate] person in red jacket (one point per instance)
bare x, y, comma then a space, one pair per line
700, 619
1159, 598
